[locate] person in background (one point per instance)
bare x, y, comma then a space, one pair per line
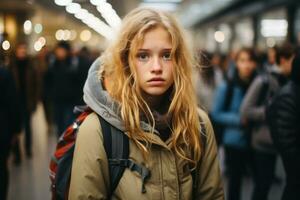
63, 84
25, 76
42, 62
270, 63
226, 111
283, 116
10, 118
253, 115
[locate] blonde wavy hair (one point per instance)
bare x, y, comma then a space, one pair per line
118, 61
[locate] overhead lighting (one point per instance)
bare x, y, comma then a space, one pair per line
85, 35
38, 28
59, 35
42, 41
109, 14
97, 2
67, 35
37, 46
62, 2
73, 8
219, 36
5, 45
274, 27
27, 27
81, 14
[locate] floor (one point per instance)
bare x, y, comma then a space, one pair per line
30, 180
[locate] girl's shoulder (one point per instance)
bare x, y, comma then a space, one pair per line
90, 128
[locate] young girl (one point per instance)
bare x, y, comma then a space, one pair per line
142, 86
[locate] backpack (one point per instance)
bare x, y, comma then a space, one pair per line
116, 145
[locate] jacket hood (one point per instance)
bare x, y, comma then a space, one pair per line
99, 100
295, 75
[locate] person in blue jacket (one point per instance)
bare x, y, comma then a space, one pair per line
228, 98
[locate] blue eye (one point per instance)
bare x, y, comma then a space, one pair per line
143, 56
166, 56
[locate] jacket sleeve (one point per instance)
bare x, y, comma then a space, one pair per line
226, 118
89, 176
282, 118
249, 110
210, 185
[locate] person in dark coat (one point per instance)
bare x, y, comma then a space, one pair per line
64, 84
10, 125
283, 115
25, 76
252, 111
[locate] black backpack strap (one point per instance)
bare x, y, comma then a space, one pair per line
127, 163
116, 145
194, 172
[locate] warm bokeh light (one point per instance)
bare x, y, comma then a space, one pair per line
5, 45
85, 35
38, 28
219, 36
27, 27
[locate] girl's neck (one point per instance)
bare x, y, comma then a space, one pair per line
157, 103
154, 102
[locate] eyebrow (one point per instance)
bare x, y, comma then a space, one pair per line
149, 49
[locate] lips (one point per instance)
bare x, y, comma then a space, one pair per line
156, 81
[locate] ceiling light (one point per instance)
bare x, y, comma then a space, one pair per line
73, 8
62, 2
42, 41
97, 2
5, 45
274, 27
81, 14
27, 27
38, 28
37, 46
219, 36
85, 35
59, 35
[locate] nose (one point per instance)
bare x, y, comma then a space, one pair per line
156, 66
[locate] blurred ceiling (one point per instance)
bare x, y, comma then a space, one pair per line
188, 11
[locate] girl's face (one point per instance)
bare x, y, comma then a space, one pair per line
153, 62
245, 65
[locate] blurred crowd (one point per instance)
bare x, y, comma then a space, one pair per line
252, 98
53, 77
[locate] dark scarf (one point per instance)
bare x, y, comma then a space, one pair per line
163, 120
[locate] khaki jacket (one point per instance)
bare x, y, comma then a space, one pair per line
170, 175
